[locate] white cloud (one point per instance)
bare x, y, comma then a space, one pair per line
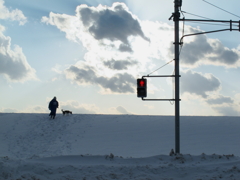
119, 45
122, 110
8, 110
121, 48
35, 109
66, 23
100, 29
114, 23
77, 108
58, 68
117, 110
14, 15
13, 62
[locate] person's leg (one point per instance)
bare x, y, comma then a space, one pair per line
54, 113
51, 114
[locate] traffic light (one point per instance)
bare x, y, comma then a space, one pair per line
141, 87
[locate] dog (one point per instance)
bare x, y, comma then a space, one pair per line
66, 112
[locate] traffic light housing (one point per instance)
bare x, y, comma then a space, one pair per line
141, 87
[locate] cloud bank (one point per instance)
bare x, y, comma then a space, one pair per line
13, 62
206, 88
119, 83
107, 33
201, 50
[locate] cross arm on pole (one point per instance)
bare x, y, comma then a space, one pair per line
204, 20
162, 76
207, 32
209, 20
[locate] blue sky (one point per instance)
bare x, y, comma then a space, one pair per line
89, 56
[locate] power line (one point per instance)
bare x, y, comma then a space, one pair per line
224, 23
213, 24
161, 67
221, 9
195, 15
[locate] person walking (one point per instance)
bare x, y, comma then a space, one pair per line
53, 105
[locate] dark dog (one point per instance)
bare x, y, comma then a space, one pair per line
66, 112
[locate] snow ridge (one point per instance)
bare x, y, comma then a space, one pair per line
89, 147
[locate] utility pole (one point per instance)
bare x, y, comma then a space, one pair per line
176, 16
177, 43
176, 19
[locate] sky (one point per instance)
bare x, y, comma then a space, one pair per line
90, 55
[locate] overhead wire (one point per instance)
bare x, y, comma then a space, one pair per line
213, 24
209, 23
196, 15
221, 8
173, 73
161, 67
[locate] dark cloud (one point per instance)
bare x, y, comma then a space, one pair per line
220, 100
13, 63
112, 23
15, 70
224, 55
83, 75
196, 50
205, 51
125, 48
120, 83
198, 84
119, 64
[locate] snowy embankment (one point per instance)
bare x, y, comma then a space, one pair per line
117, 147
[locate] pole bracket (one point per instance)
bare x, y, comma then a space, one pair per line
161, 99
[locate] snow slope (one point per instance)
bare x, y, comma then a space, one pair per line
80, 147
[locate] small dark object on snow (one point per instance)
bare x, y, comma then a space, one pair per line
171, 153
66, 112
111, 156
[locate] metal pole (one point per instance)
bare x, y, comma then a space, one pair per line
177, 4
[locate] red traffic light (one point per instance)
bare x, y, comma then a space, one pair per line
141, 87
141, 83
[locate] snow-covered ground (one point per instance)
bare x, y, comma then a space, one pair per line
89, 147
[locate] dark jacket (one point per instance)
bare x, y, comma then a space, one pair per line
53, 105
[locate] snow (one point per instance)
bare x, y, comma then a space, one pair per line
102, 147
